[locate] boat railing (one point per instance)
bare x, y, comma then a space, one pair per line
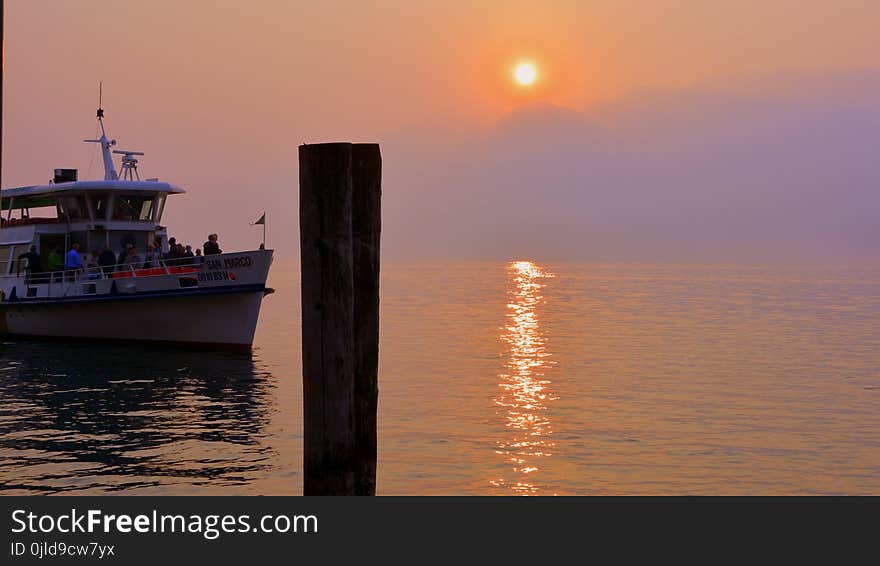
141, 268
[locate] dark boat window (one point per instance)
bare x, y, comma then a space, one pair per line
73, 208
132, 207
9, 258
99, 207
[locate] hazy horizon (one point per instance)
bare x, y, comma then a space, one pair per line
684, 133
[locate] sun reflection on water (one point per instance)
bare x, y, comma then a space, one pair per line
525, 392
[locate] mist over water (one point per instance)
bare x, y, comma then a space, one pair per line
773, 171
495, 378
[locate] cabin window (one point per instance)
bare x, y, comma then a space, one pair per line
5, 259
159, 208
73, 208
31, 211
133, 208
9, 262
186, 282
99, 207
147, 209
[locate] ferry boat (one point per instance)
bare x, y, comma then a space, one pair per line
212, 300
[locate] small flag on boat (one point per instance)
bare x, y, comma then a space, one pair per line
262, 221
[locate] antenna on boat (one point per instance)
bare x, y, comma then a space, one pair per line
129, 169
106, 144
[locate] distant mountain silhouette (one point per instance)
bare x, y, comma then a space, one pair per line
541, 120
766, 171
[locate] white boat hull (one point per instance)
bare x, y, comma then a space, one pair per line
221, 312
211, 320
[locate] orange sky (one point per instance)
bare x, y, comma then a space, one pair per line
219, 93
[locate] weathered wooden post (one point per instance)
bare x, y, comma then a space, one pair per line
340, 186
366, 173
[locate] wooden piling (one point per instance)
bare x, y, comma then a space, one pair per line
366, 163
327, 318
340, 186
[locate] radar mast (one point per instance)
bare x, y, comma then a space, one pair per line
106, 144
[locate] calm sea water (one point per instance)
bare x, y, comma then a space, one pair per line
495, 378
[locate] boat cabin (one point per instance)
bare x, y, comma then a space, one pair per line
138, 297
118, 210
111, 213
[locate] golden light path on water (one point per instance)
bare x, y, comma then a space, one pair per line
525, 392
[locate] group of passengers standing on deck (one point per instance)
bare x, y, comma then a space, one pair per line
107, 261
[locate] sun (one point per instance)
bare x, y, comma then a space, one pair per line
525, 74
